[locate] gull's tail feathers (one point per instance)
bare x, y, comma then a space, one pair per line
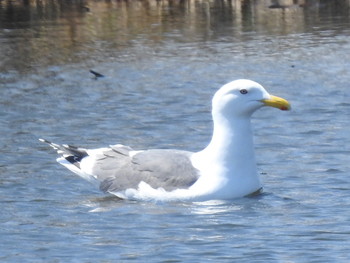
71, 157
72, 154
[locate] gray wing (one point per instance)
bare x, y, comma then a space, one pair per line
169, 169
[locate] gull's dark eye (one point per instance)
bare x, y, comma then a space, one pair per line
243, 91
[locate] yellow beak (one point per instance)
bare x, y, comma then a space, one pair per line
277, 102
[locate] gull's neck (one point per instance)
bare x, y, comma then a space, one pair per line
232, 143
229, 158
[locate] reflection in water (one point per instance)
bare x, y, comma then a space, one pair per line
31, 30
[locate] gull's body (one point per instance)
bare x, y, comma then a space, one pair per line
225, 169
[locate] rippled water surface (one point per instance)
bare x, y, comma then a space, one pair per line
162, 62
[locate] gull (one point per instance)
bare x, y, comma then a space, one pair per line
225, 169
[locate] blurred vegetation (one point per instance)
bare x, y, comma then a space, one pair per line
15, 12
41, 32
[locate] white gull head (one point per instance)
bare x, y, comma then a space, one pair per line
239, 98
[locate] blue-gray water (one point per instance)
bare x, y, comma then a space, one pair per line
163, 61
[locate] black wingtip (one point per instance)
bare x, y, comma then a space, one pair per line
48, 142
53, 145
96, 74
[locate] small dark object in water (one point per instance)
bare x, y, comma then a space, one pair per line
96, 74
